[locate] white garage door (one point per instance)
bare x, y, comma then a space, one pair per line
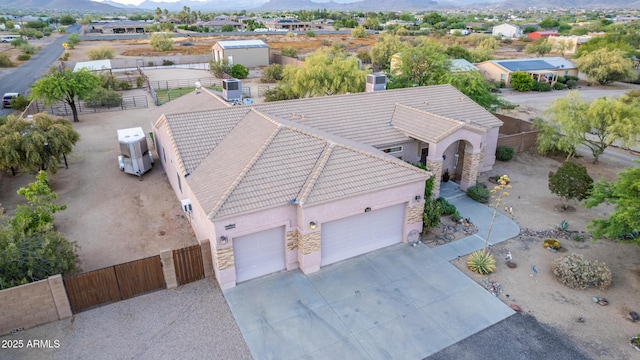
259, 254
359, 234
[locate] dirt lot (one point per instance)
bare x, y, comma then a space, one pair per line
112, 216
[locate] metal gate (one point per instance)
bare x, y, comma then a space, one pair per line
114, 283
188, 264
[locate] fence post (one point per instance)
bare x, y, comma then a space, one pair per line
207, 260
168, 269
60, 297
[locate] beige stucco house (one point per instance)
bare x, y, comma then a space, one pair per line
309, 182
246, 52
545, 67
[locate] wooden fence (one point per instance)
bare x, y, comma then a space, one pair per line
188, 264
114, 283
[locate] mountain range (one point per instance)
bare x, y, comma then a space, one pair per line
358, 5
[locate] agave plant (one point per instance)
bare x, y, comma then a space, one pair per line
481, 262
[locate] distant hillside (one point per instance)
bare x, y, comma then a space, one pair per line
383, 5
82, 5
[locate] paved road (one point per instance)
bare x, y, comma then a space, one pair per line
21, 78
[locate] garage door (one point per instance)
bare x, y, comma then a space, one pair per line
259, 254
359, 234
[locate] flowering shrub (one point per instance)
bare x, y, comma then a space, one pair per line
577, 273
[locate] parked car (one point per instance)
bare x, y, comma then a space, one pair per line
6, 99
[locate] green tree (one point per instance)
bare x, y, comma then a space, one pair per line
385, 47
606, 66
424, 64
271, 73
549, 23
521, 81
31, 249
227, 28
529, 29
359, 32
570, 182
66, 86
37, 145
596, 125
458, 52
219, 67
372, 23
238, 71
624, 193
161, 42
473, 85
67, 20
325, 73
540, 47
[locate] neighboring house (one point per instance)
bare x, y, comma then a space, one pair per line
507, 31
471, 26
287, 24
539, 68
538, 34
309, 182
246, 52
117, 27
218, 24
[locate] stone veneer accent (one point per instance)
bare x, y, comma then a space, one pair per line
436, 169
224, 258
470, 166
169, 269
309, 243
414, 213
291, 239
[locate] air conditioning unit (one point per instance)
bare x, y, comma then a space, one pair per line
186, 205
232, 90
376, 82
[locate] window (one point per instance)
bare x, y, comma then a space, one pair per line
392, 150
503, 76
566, 73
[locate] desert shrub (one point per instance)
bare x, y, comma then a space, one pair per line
28, 49
24, 57
238, 71
325, 42
572, 77
562, 79
19, 102
219, 67
166, 62
100, 53
521, 81
139, 82
551, 243
73, 40
161, 42
65, 56
102, 97
432, 213
359, 32
150, 63
577, 273
541, 86
310, 33
504, 153
123, 85
289, 52
271, 73
481, 262
571, 84
16, 43
558, 86
479, 193
447, 207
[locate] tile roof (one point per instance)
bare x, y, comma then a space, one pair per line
263, 162
245, 158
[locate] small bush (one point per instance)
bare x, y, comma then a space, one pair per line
558, 86
577, 273
104, 98
432, 213
238, 71
65, 56
150, 63
562, 79
551, 243
289, 52
481, 262
504, 153
310, 33
28, 49
271, 73
572, 84
24, 57
479, 193
19, 102
16, 43
571, 77
139, 82
447, 207
100, 53
166, 62
161, 42
541, 86
123, 85
219, 67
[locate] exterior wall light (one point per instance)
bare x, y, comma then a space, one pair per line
313, 225
223, 240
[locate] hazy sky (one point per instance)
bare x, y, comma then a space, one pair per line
258, 2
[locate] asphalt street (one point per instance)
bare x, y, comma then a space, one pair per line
21, 78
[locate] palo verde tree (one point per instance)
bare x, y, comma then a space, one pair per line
424, 64
67, 86
606, 66
624, 222
596, 125
540, 47
386, 46
35, 145
31, 249
570, 182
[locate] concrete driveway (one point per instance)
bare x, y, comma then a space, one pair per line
401, 302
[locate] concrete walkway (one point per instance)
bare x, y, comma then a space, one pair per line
400, 302
480, 215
